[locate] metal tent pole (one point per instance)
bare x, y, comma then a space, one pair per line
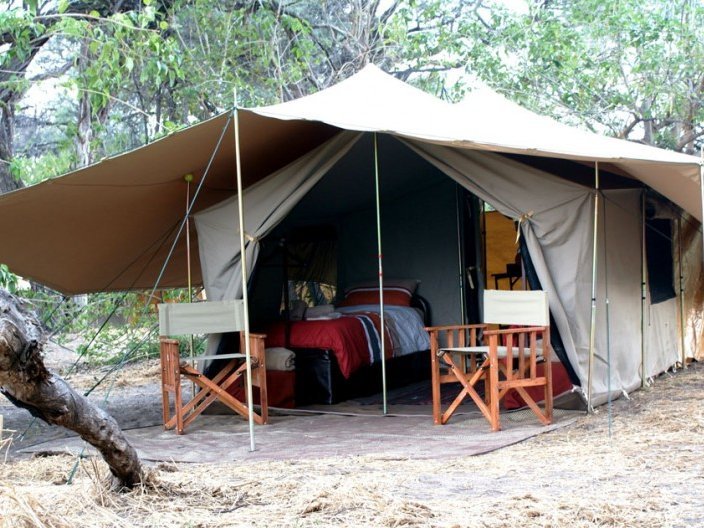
188, 178
460, 254
191, 341
608, 320
243, 267
643, 296
592, 328
681, 290
381, 273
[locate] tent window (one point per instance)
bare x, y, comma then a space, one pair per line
658, 249
312, 293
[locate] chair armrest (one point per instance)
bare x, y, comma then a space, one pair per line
454, 327
454, 335
517, 330
528, 337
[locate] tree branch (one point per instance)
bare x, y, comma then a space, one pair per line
28, 384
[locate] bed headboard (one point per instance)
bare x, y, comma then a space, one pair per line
417, 301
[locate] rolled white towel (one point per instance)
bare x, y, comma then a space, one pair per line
279, 358
326, 317
315, 312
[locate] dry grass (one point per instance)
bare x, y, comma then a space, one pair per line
131, 374
648, 473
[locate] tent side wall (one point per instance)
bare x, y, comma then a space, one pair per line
619, 280
557, 221
663, 324
662, 342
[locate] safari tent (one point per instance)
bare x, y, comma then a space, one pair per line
610, 229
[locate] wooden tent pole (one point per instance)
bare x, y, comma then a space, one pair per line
381, 275
243, 267
592, 328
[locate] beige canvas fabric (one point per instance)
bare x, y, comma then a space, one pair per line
266, 203
110, 226
201, 318
528, 308
373, 101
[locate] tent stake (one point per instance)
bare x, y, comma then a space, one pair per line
243, 267
592, 327
681, 290
643, 296
381, 273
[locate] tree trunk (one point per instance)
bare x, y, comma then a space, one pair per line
15, 68
27, 383
7, 123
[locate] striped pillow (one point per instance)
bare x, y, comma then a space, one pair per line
395, 296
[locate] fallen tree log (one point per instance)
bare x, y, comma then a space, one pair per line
27, 383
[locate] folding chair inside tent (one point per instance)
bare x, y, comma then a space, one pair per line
512, 365
206, 318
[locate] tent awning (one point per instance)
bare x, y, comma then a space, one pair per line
110, 226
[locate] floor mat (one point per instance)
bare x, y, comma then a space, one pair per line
212, 439
419, 393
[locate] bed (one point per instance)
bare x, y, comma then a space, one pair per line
338, 354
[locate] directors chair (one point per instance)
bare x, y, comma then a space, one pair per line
206, 318
502, 367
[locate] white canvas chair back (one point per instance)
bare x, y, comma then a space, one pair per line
210, 317
508, 307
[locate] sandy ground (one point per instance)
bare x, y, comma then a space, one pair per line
640, 465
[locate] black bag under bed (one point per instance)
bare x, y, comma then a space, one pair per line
319, 380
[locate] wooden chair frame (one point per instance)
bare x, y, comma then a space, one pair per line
173, 369
501, 367
209, 317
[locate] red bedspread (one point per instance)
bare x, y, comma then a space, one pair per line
346, 336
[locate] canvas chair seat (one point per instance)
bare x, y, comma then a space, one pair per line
501, 351
207, 317
501, 368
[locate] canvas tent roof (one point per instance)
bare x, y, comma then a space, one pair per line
109, 226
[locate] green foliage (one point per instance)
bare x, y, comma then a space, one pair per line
33, 169
107, 328
631, 68
8, 280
